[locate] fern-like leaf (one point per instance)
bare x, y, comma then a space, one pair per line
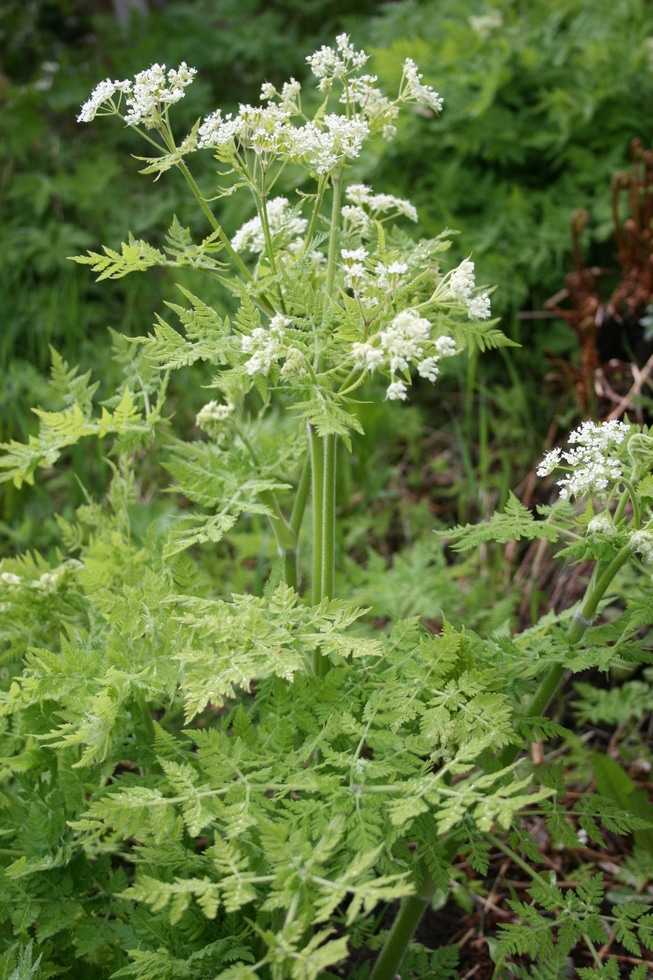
515, 523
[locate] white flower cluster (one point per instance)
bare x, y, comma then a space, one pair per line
601, 526
459, 287
330, 138
361, 93
267, 347
102, 95
401, 344
268, 131
215, 419
363, 281
363, 196
283, 223
330, 63
260, 128
324, 148
366, 206
484, 24
593, 468
146, 97
413, 90
289, 96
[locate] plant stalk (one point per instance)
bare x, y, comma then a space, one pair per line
146, 715
215, 224
403, 928
285, 537
328, 518
317, 480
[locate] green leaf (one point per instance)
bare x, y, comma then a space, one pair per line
134, 256
515, 523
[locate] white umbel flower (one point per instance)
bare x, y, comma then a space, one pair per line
601, 526
215, 418
103, 95
413, 89
459, 287
462, 282
406, 342
267, 346
361, 195
147, 96
593, 468
328, 64
282, 220
397, 391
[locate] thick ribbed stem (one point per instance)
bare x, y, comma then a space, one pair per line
328, 518
317, 483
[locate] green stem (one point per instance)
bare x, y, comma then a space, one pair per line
267, 234
146, 715
265, 225
597, 588
516, 859
301, 497
317, 479
332, 261
403, 928
328, 518
215, 224
408, 918
328, 524
284, 536
314, 216
628, 495
323, 455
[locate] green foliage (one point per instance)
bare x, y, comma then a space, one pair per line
246, 785
540, 108
206, 771
515, 523
570, 916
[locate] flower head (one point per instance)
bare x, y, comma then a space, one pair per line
413, 89
147, 96
102, 95
215, 419
396, 391
363, 95
323, 146
405, 342
267, 346
460, 286
602, 526
153, 90
593, 466
363, 196
328, 64
285, 225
